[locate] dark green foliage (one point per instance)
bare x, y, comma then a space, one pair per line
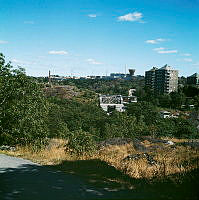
165, 101
196, 102
88, 120
76, 115
23, 108
143, 111
106, 86
166, 127
177, 99
191, 91
81, 141
184, 129
122, 125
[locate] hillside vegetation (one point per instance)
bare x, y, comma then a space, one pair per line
51, 128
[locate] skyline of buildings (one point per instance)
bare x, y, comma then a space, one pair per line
115, 75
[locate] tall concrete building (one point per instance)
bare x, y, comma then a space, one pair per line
166, 80
193, 79
150, 78
163, 80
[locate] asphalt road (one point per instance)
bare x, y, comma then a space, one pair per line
24, 180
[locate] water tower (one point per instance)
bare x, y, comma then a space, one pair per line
131, 72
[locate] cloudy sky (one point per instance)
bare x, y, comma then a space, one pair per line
97, 37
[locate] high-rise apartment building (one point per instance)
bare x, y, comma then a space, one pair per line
193, 79
163, 80
150, 78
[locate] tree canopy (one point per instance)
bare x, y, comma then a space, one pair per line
23, 107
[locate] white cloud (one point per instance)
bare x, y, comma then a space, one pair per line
196, 64
156, 41
93, 61
3, 42
188, 59
163, 50
160, 40
151, 41
20, 62
58, 52
187, 54
92, 15
167, 51
29, 22
159, 49
131, 17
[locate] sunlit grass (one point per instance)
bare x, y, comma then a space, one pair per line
169, 161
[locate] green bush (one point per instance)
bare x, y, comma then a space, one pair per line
81, 142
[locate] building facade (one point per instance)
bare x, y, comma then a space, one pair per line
150, 78
163, 80
193, 79
111, 102
116, 102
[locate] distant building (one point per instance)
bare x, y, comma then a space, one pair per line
111, 102
131, 98
165, 114
131, 72
117, 75
193, 79
131, 92
116, 102
163, 80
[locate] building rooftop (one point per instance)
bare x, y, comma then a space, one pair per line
153, 69
166, 67
195, 75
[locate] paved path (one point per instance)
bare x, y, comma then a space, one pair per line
24, 180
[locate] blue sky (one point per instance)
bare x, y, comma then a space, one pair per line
97, 37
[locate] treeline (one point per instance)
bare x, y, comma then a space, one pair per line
183, 98
100, 86
187, 95
141, 118
28, 117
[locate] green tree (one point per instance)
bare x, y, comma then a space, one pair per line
191, 91
81, 142
143, 111
196, 102
23, 108
165, 100
185, 129
177, 99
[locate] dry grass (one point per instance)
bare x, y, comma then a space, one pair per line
181, 159
170, 161
53, 154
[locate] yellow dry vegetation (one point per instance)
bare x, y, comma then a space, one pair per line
169, 160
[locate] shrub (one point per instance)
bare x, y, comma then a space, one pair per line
81, 142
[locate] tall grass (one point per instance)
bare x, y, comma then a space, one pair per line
169, 161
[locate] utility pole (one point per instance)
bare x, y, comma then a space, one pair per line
49, 79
